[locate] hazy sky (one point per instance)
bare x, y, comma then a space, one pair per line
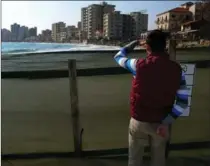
43, 13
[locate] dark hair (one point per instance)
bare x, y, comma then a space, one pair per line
156, 39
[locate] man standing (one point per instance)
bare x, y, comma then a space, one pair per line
157, 83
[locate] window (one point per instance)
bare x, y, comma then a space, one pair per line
187, 17
173, 16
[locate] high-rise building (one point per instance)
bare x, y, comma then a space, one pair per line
113, 25
84, 19
32, 31
58, 28
6, 35
140, 23
92, 18
15, 30
23, 33
128, 27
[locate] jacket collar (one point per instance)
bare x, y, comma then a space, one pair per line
159, 54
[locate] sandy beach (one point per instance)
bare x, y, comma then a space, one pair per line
36, 113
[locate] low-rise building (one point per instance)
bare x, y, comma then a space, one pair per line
192, 29
172, 20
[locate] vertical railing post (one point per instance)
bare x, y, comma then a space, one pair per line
172, 53
74, 106
172, 49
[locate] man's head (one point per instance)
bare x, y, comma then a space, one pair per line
156, 41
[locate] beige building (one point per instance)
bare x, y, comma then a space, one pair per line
173, 19
92, 18
113, 25
84, 19
58, 30
61, 36
140, 24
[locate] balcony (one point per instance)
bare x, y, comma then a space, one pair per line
166, 20
162, 21
157, 21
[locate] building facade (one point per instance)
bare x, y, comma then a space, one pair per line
32, 31
6, 35
23, 33
79, 25
128, 26
140, 23
46, 35
92, 18
15, 31
113, 25
173, 19
84, 19
71, 31
57, 29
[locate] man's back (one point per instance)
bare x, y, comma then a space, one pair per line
154, 87
156, 84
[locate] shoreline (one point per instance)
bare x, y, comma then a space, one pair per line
107, 51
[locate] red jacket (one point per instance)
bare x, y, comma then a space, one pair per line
154, 88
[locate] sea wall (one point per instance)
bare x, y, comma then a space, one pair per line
36, 113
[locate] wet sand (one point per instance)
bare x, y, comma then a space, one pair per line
36, 113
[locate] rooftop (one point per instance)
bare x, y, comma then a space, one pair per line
178, 9
195, 22
188, 4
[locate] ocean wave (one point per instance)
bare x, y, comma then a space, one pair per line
18, 51
25, 48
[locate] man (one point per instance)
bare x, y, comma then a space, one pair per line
157, 83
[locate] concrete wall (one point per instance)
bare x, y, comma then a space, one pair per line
36, 113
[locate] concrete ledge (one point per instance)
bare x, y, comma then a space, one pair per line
110, 153
83, 72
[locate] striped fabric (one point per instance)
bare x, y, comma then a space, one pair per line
181, 102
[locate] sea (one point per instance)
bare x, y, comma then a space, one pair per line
24, 56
